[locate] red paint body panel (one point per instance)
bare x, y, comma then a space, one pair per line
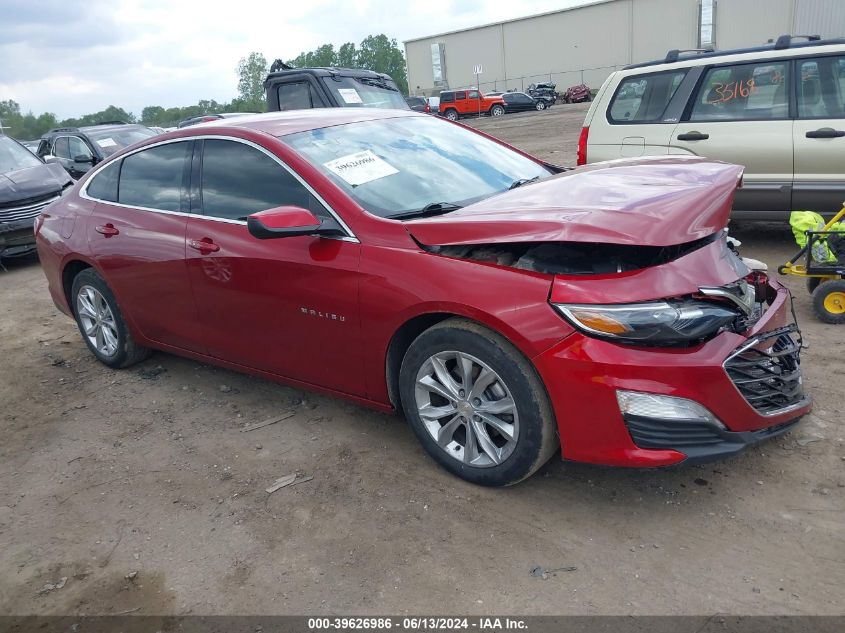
589, 421
646, 202
710, 265
321, 313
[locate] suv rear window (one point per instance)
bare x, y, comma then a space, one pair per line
447, 97
746, 92
643, 98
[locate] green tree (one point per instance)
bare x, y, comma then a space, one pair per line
376, 52
383, 55
347, 56
251, 73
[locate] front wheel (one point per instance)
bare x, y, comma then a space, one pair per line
497, 110
829, 301
476, 404
452, 115
541, 105
101, 322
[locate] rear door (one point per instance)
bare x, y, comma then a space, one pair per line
819, 135
740, 114
137, 236
640, 115
288, 306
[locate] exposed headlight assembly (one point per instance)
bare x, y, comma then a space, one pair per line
652, 323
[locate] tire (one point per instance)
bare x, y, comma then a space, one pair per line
497, 110
93, 303
451, 114
812, 284
431, 368
829, 302
541, 105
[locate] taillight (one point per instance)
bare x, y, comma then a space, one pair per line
582, 146
427, 108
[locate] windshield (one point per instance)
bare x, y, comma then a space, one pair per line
14, 157
115, 139
365, 92
394, 166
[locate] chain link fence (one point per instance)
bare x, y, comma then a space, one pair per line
592, 77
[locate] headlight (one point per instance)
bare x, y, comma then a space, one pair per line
653, 323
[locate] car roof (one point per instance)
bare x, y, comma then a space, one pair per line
293, 121
107, 127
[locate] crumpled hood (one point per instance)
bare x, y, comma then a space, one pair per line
32, 182
655, 201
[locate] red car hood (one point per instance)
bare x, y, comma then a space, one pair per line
658, 201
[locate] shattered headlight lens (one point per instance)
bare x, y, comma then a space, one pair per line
652, 323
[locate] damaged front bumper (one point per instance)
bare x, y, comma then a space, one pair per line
733, 376
17, 238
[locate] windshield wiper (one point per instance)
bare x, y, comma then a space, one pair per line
434, 208
522, 181
370, 81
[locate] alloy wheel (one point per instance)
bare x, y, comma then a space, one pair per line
97, 320
467, 409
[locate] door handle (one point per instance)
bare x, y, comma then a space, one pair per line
693, 136
825, 132
204, 246
108, 230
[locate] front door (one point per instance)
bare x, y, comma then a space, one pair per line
740, 114
819, 135
288, 306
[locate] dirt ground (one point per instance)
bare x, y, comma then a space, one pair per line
136, 491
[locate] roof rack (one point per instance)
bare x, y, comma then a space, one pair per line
785, 41
109, 123
63, 129
675, 54
782, 42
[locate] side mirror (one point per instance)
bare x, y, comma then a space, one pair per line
83, 158
286, 221
49, 158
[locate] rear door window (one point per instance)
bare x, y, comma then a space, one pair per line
460, 96
297, 96
153, 177
103, 186
752, 92
821, 88
61, 148
644, 98
447, 97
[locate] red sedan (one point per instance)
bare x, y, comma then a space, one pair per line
511, 309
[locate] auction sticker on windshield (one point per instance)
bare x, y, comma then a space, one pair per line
106, 142
360, 168
350, 95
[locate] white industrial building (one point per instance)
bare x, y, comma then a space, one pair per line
585, 44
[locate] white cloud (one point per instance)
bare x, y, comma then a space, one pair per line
159, 52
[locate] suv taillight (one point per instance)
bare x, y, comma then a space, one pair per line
582, 146
427, 108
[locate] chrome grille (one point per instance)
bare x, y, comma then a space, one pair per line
767, 370
26, 209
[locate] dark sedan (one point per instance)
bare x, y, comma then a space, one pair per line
520, 102
27, 185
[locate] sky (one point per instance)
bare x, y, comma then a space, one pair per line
73, 58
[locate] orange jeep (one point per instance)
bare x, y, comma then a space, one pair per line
457, 103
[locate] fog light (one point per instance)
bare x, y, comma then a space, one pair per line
650, 405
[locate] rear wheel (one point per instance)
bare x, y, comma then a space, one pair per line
452, 115
101, 322
476, 404
829, 301
497, 110
541, 105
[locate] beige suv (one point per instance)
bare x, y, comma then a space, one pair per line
778, 109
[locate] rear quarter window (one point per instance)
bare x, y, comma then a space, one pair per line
103, 185
644, 98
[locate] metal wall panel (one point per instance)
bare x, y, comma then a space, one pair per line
742, 23
820, 17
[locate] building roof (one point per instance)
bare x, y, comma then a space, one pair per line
586, 3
